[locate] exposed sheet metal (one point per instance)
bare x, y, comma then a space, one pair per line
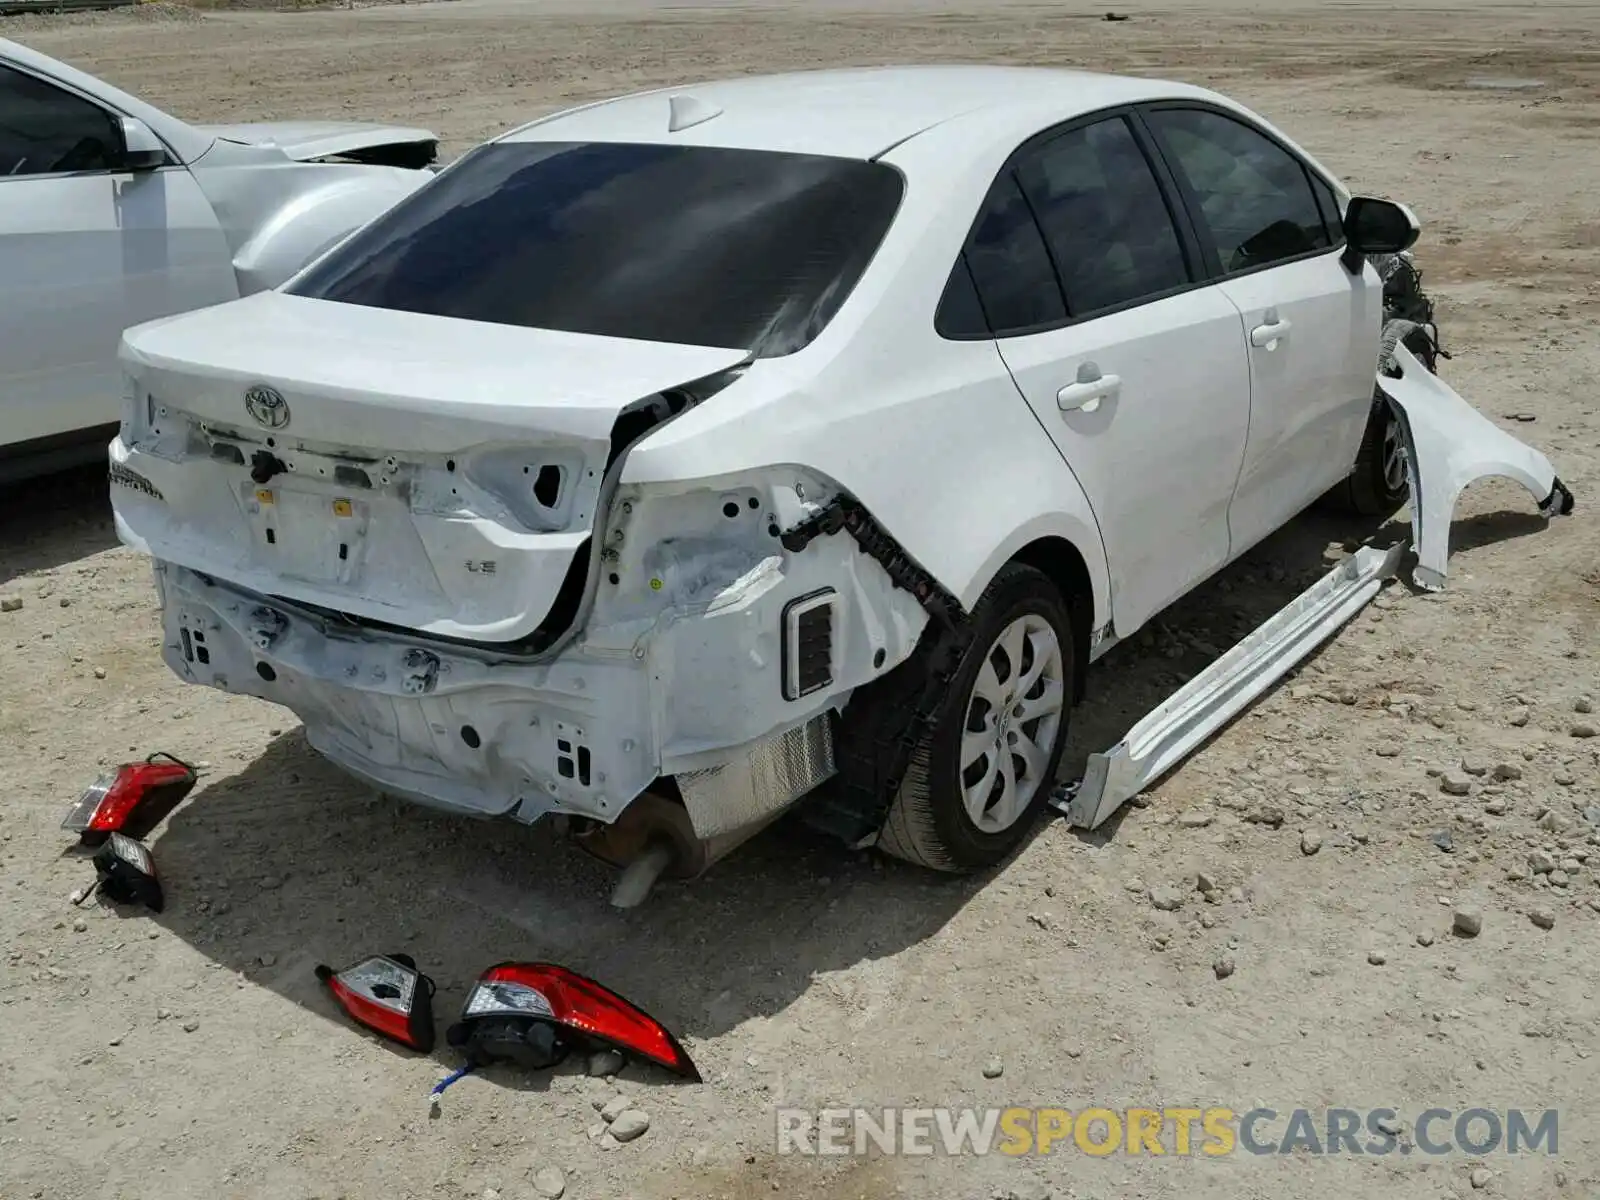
1450, 444
304, 141
1170, 732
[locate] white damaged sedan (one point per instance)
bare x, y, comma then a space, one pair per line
727, 444
113, 212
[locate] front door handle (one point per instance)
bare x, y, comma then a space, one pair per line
1272, 330
1091, 388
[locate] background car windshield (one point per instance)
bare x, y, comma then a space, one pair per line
744, 249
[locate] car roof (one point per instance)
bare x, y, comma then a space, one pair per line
857, 113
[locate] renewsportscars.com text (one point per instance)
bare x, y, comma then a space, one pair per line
1169, 1131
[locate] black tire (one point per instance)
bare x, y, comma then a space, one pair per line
1369, 490
928, 823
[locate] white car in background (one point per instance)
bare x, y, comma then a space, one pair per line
723, 442
113, 213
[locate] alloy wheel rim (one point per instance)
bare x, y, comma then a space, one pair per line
1394, 456
1013, 718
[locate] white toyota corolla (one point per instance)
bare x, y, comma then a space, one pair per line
725, 442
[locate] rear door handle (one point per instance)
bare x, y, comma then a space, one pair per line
1272, 330
1086, 394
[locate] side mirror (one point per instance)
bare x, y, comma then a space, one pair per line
141, 149
1373, 226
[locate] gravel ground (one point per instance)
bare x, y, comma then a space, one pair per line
1431, 760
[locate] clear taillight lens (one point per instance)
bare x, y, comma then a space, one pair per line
127, 873
388, 995
508, 999
544, 992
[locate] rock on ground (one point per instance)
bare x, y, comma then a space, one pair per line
1468, 922
606, 1062
630, 1124
1166, 898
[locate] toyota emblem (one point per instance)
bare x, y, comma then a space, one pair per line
267, 406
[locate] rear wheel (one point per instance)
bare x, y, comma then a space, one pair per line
987, 763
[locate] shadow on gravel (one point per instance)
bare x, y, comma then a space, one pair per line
54, 520
289, 863
1138, 675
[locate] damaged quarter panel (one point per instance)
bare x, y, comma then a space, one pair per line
696, 582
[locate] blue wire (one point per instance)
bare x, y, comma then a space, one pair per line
449, 1079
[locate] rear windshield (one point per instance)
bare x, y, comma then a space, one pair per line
743, 249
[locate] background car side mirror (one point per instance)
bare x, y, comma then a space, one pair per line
141, 148
1373, 226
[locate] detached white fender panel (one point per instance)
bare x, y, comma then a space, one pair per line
1449, 445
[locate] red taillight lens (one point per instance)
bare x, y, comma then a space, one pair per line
388, 995
548, 992
133, 801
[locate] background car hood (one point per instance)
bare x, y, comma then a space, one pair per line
304, 141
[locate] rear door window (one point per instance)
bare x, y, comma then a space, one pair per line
743, 249
1104, 218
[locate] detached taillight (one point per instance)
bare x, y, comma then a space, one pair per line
388, 995
133, 801
127, 873
534, 1013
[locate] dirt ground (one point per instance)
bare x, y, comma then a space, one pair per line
193, 1053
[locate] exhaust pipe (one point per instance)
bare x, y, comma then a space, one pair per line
654, 838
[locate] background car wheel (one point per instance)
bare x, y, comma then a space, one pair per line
987, 764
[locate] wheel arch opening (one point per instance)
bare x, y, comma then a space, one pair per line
1064, 565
